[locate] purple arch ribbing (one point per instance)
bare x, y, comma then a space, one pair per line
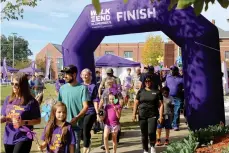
201, 65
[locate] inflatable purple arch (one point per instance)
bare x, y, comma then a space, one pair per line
201, 64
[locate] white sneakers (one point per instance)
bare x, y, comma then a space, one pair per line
152, 150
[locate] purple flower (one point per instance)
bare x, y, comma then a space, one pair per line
115, 89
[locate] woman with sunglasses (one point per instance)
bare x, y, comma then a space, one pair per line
19, 110
148, 100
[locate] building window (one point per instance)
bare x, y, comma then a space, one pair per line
128, 54
227, 56
109, 52
59, 64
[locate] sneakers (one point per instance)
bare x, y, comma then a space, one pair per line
176, 129
166, 142
152, 150
158, 143
145, 152
102, 147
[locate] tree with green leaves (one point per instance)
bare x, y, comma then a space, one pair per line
22, 64
14, 9
21, 49
153, 49
41, 64
181, 4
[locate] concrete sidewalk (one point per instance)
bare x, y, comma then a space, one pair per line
130, 142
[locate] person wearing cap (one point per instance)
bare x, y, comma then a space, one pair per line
98, 78
156, 78
39, 88
76, 97
110, 74
145, 69
175, 84
31, 84
148, 102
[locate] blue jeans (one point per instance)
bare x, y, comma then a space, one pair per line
176, 117
78, 134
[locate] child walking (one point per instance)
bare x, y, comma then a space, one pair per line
111, 121
58, 135
167, 102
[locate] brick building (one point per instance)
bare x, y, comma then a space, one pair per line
224, 45
54, 52
130, 51
172, 50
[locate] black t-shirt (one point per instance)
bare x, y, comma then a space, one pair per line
156, 80
148, 102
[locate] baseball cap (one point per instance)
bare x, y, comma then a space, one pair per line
151, 68
174, 68
171, 67
70, 69
109, 70
148, 78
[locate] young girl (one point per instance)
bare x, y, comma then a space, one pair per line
58, 135
167, 102
111, 121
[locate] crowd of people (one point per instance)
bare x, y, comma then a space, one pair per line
156, 98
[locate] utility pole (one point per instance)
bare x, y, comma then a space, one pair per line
13, 46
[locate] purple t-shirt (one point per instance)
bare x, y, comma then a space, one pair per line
27, 112
93, 93
111, 118
55, 144
173, 83
59, 83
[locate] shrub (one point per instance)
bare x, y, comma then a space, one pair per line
198, 138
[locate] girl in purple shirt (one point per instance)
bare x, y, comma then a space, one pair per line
20, 109
58, 135
111, 121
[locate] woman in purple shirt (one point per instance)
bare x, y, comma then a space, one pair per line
19, 109
90, 116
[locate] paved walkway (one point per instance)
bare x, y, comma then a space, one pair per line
130, 142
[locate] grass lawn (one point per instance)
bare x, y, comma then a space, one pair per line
126, 123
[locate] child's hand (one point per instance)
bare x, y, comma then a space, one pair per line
160, 119
115, 108
134, 118
42, 146
97, 118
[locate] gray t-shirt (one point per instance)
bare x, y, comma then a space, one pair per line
167, 105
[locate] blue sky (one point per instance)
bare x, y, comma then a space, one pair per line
51, 20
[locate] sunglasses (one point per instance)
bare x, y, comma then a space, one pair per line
67, 68
15, 84
165, 93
